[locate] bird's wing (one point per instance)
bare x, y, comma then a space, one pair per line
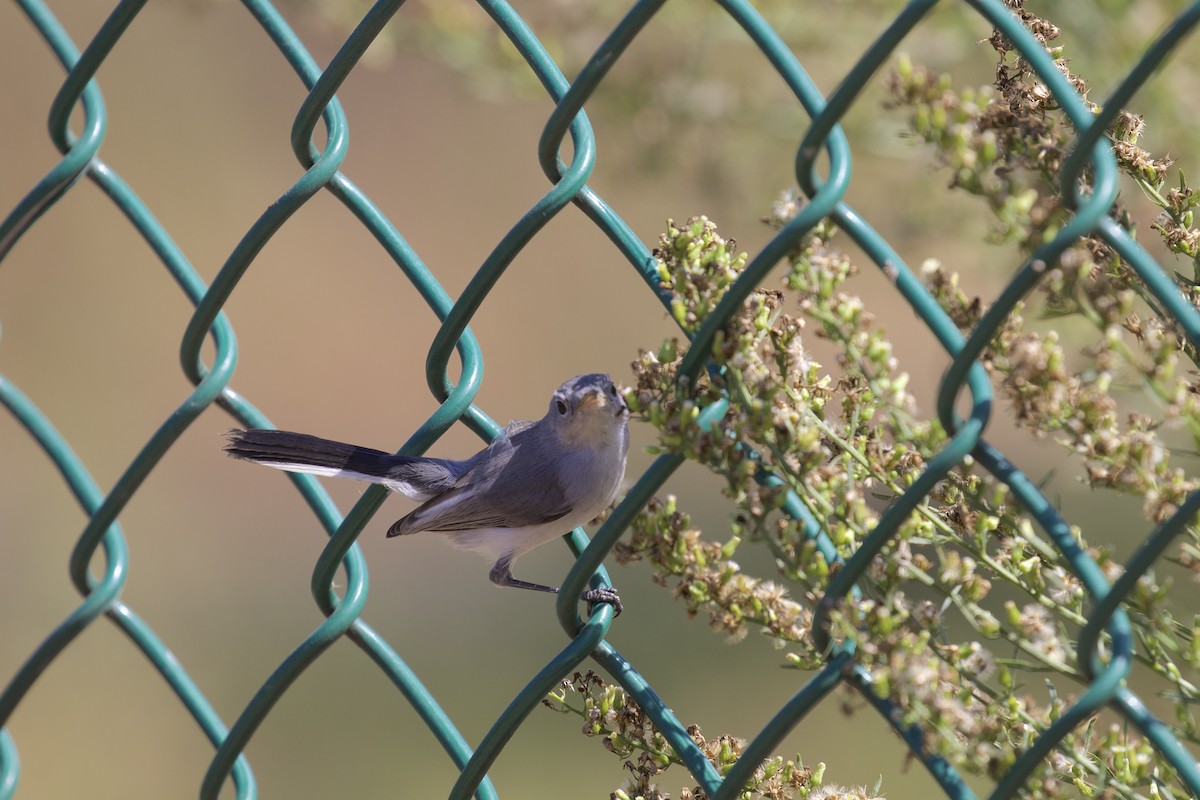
517, 425
464, 510
512, 488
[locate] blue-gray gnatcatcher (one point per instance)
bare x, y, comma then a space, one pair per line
536, 482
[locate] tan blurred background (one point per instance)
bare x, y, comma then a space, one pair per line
333, 342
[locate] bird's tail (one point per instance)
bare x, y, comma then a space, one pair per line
418, 478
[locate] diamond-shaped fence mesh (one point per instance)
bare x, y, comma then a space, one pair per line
99, 564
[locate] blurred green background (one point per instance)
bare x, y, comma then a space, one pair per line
333, 342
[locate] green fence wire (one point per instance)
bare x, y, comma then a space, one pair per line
585, 639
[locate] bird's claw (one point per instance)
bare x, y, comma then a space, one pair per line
595, 597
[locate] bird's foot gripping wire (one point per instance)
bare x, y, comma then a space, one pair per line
501, 575
595, 597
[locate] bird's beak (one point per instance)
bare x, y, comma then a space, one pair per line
590, 400
598, 399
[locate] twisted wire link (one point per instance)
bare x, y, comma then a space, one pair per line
568, 184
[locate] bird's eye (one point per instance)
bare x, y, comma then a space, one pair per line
612, 389
561, 406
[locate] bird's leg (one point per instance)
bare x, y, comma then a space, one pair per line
501, 575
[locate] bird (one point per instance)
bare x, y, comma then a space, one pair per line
535, 482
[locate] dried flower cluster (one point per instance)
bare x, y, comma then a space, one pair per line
1011, 144
624, 728
707, 579
957, 657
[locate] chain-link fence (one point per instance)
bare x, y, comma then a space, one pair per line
342, 600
